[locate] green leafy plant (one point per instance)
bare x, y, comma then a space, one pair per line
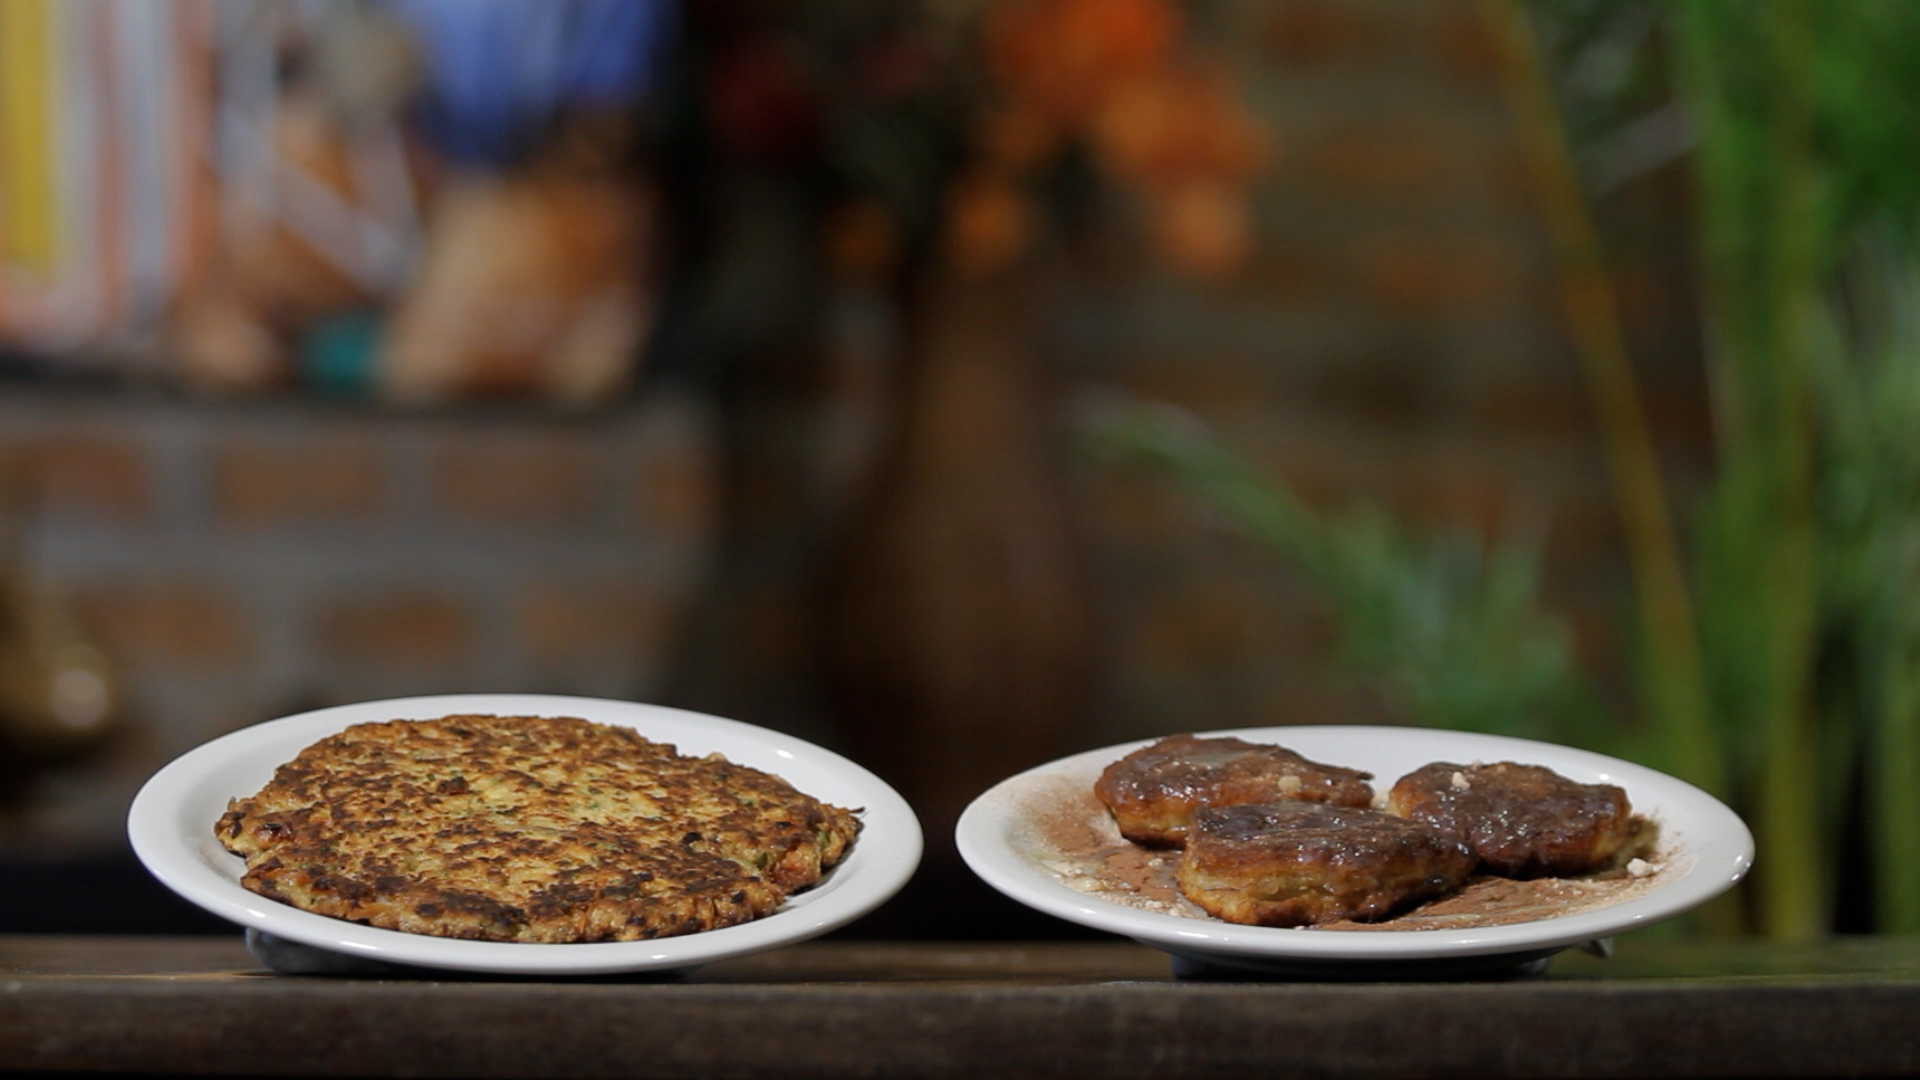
1799, 119
1450, 627
1778, 625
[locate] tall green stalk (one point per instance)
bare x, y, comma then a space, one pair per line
1673, 688
1870, 475
1745, 699
1794, 882
1893, 773
1894, 779
1760, 244
1790, 660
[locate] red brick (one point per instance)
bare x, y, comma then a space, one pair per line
1680, 415
1380, 162
1448, 489
1654, 298
1675, 407
599, 622
185, 624
1212, 388
398, 629
533, 479
774, 634
258, 483
1318, 32
1327, 472
1467, 47
1436, 33
1132, 506
1281, 275
1533, 407
1426, 276
1315, 628
1595, 629
99, 475
677, 491
765, 497
1506, 181
1330, 695
1383, 391
1204, 625
1585, 529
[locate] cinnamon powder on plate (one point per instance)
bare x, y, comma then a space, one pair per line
1066, 831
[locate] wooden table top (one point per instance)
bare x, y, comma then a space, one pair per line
849, 1009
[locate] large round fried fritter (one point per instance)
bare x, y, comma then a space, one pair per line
525, 828
1521, 821
1154, 791
1297, 864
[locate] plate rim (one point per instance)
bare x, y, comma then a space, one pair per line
884, 857
981, 838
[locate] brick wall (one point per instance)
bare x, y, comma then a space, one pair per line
1398, 340
238, 562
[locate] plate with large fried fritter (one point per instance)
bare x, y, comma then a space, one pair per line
1061, 838
524, 834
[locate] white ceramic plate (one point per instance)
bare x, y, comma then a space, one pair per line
1708, 850
171, 826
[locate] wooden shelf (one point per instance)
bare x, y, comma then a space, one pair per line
1108, 1010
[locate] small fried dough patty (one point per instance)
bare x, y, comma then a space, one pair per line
528, 828
1154, 791
1298, 864
1521, 821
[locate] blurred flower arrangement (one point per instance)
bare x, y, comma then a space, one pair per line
414, 199
1110, 75
943, 165
955, 133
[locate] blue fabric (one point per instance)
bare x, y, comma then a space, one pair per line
499, 71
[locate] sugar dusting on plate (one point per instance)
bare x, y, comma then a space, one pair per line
1065, 831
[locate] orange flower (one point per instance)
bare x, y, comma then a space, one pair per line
1107, 71
1203, 230
1182, 127
1017, 138
988, 222
1066, 57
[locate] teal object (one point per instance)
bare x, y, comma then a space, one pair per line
337, 356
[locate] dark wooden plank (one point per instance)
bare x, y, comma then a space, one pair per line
1865, 958
1862, 957
840, 1009
213, 958
123, 955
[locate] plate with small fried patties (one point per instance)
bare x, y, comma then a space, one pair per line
524, 834
1259, 850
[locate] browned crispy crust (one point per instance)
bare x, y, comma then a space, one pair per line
1298, 864
532, 829
1155, 791
1521, 821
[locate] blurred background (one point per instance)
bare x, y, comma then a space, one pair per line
959, 384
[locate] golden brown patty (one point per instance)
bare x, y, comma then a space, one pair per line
1297, 864
1154, 791
528, 828
1519, 820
